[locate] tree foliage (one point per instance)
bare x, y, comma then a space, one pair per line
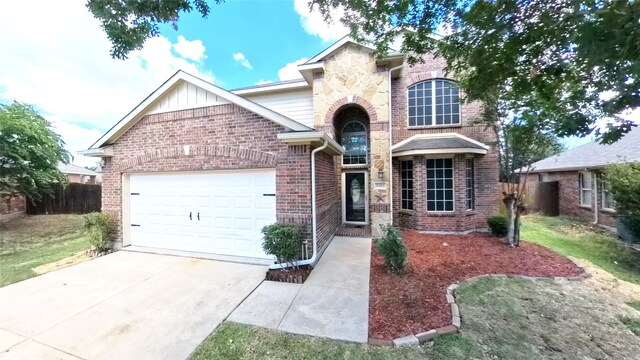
568, 63
128, 24
29, 153
522, 143
624, 179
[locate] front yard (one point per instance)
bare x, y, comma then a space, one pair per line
33, 245
502, 318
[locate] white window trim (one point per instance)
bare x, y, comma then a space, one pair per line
453, 178
583, 189
603, 194
433, 106
366, 138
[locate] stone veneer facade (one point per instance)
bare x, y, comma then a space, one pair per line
353, 78
230, 137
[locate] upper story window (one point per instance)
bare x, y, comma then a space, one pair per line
434, 102
354, 141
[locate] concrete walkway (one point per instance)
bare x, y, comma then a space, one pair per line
332, 303
121, 306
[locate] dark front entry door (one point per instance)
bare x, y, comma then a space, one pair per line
355, 197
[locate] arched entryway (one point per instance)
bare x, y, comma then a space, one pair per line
351, 127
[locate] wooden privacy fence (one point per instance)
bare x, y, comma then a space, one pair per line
543, 197
73, 199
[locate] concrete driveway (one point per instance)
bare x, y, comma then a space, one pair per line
125, 305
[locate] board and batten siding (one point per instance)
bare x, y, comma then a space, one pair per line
296, 105
185, 96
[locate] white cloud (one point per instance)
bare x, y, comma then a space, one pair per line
239, 57
290, 71
263, 82
314, 24
191, 50
67, 73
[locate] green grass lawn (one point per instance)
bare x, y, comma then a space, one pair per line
32, 241
235, 341
501, 318
578, 240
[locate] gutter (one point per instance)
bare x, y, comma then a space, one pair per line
595, 195
391, 145
314, 223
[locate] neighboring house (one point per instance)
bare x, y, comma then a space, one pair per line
77, 174
583, 189
12, 206
358, 142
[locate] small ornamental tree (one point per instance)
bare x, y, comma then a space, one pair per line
284, 241
29, 153
522, 141
393, 249
624, 179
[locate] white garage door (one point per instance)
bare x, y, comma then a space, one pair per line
218, 212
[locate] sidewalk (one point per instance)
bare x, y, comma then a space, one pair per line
332, 303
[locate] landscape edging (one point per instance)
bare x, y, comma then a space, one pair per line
423, 337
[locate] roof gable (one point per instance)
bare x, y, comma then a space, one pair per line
593, 155
335, 47
75, 169
211, 93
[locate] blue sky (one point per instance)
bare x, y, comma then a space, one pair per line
268, 33
57, 57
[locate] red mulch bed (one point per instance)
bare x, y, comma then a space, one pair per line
415, 302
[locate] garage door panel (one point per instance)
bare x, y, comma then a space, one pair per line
231, 206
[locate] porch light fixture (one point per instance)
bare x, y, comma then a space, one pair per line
380, 174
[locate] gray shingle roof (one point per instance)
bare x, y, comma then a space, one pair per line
436, 144
75, 169
593, 155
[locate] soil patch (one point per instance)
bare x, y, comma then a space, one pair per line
296, 276
56, 265
401, 305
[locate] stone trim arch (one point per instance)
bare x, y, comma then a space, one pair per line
347, 100
185, 151
424, 76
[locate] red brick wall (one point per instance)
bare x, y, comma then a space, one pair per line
422, 72
569, 197
328, 199
219, 137
486, 166
461, 219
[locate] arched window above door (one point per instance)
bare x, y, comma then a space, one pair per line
354, 141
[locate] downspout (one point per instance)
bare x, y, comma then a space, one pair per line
314, 225
391, 145
595, 195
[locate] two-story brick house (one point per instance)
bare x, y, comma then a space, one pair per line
356, 143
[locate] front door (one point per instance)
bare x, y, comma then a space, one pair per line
355, 193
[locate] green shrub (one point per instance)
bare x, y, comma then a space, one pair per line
98, 226
284, 241
624, 181
499, 225
392, 248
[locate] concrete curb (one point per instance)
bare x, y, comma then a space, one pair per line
421, 338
